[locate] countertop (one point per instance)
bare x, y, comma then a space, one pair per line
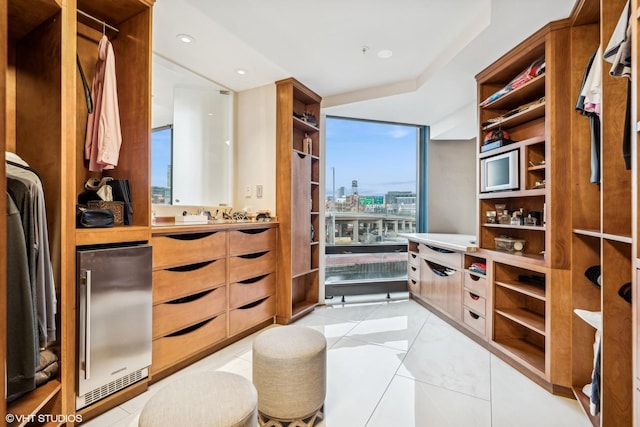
454, 242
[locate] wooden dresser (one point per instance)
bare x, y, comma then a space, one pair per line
212, 284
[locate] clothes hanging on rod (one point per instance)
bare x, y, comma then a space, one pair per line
104, 137
25, 188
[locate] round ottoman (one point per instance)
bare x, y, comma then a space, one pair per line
213, 399
289, 372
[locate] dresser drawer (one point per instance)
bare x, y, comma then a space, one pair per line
176, 315
413, 285
250, 315
182, 281
474, 302
251, 240
181, 249
475, 321
413, 272
246, 266
442, 256
413, 259
173, 348
246, 291
476, 284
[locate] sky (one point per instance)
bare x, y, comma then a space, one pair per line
160, 157
381, 156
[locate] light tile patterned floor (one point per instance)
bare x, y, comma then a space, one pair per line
393, 363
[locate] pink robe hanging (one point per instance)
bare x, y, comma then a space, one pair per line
104, 137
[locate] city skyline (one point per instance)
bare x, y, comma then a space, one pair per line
380, 156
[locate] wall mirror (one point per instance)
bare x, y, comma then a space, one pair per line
191, 138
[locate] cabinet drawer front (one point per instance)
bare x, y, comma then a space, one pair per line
180, 345
251, 314
245, 267
413, 259
414, 285
171, 251
475, 302
475, 321
476, 284
448, 258
413, 272
241, 293
252, 240
182, 281
176, 315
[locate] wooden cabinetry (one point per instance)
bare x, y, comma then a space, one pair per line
297, 198
45, 112
475, 298
211, 285
531, 329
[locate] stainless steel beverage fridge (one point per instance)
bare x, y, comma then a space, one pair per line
114, 319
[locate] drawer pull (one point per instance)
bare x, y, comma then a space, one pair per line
474, 316
474, 296
412, 255
190, 298
413, 268
254, 255
440, 250
441, 270
191, 267
190, 236
252, 280
253, 304
253, 231
413, 282
190, 328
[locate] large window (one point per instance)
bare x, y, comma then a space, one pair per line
371, 197
161, 164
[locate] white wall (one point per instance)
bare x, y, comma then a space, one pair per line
256, 148
452, 187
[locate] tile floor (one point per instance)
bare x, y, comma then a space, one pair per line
393, 363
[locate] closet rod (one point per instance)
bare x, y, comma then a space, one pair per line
100, 21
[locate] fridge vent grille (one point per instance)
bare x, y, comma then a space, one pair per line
112, 387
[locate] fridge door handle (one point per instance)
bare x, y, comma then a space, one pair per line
86, 323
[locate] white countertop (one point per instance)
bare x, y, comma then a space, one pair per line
454, 242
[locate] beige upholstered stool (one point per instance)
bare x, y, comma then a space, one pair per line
289, 372
212, 399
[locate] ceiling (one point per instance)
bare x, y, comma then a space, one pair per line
332, 47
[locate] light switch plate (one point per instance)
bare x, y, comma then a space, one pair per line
247, 191
259, 190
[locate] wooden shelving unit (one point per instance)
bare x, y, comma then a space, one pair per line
38, 47
297, 200
531, 323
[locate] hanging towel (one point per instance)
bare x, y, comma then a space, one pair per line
104, 137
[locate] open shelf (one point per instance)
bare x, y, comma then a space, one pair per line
525, 351
519, 96
526, 289
304, 126
35, 400
584, 402
521, 227
533, 112
518, 193
526, 318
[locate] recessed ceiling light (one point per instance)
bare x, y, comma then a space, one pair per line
385, 53
185, 38
241, 71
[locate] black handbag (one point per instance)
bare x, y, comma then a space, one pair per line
122, 192
94, 218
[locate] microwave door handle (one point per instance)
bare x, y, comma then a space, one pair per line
86, 334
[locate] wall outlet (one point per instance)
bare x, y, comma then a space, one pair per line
247, 191
259, 191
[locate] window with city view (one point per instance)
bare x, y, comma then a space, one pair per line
370, 200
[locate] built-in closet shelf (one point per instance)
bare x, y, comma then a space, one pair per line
526, 318
509, 147
301, 124
302, 308
520, 227
313, 270
518, 193
526, 289
125, 233
607, 236
530, 354
35, 400
534, 112
536, 168
519, 96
